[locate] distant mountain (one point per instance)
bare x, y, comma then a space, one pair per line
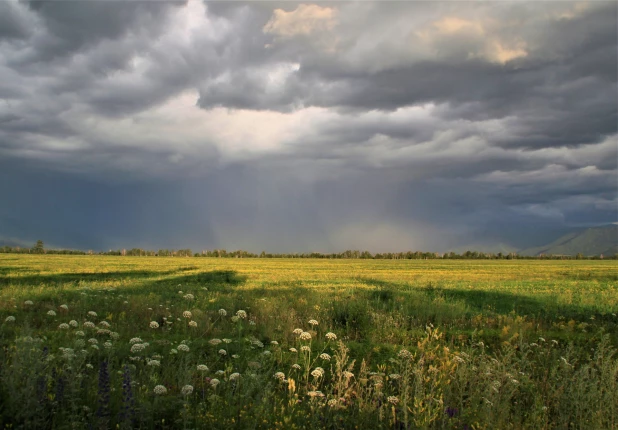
588, 241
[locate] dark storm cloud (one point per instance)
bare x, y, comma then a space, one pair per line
291, 126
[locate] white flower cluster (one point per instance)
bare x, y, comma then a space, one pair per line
64, 307
28, 303
222, 312
105, 324
318, 372
214, 382
154, 324
10, 319
89, 324
214, 342
92, 314
313, 322
234, 376
160, 390
331, 336
241, 314
63, 326
51, 313
324, 356
187, 390
280, 376
184, 348
192, 324
187, 314
202, 368
73, 323
137, 347
297, 331
189, 296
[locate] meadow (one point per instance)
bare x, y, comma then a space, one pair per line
154, 342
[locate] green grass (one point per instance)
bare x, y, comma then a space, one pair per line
491, 344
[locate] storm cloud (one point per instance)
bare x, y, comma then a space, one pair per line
291, 126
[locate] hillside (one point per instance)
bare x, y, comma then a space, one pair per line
590, 241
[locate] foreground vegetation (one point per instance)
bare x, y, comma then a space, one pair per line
118, 342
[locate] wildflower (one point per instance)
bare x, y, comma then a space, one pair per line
51, 313
189, 297
234, 376
173, 351
93, 341
293, 350
114, 335
324, 356
332, 403
315, 394
404, 353
103, 331
222, 352
63, 326
202, 368
179, 292
160, 390
154, 363
313, 322
192, 324
251, 322
9, 319
394, 376
94, 346
317, 372
184, 348
220, 372
348, 375
274, 342
92, 314
80, 343
305, 348
214, 382
267, 353
135, 340
64, 307
138, 347
227, 340
222, 312
187, 314
241, 314
80, 333
187, 390
89, 366
297, 331
331, 336
280, 376
89, 324
105, 324
235, 356
305, 336
235, 319
214, 342
394, 400
73, 323
107, 345
28, 303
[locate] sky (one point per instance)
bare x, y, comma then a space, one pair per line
295, 126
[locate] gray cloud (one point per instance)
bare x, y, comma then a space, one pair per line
292, 126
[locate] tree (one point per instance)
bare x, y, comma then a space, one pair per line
39, 248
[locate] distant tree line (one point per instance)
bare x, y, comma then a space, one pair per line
39, 248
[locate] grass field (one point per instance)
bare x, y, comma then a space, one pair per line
382, 343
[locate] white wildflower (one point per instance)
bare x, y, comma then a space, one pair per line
331, 336
293, 350
154, 324
235, 319
160, 390
73, 323
280, 376
192, 324
93, 341
214, 382
241, 314
28, 303
317, 372
313, 322
234, 376
214, 341
89, 324
92, 314
222, 352
80, 333
10, 319
305, 336
184, 348
187, 314
296, 366
297, 331
138, 347
189, 296
63, 326
64, 307
187, 390
222, 312
154, 363
107, 345
135, 340
202, 368
105, 324
51, 313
